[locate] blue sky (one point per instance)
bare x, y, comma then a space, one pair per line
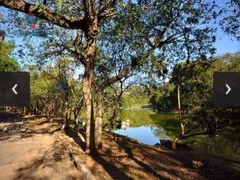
224, 43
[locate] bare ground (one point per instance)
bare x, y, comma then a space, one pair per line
31, 152
133, 160
37, 149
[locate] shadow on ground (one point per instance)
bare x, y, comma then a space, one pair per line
10, 117
16, 127
132, 160
120, 157
36, 153
53, 163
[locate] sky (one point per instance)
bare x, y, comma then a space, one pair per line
224, 43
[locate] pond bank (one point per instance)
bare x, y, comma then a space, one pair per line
133, 160
148, 127
121, 158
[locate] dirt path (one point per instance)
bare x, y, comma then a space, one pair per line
30, 153
37, 149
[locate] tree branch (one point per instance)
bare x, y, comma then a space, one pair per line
122, 74
48, 15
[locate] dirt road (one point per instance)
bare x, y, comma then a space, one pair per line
25, 153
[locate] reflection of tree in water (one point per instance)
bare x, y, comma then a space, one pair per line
166, 125
162, 125
225, 144
160, 133
125, 124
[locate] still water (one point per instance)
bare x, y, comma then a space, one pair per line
149, 127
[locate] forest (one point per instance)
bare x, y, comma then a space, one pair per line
101, 68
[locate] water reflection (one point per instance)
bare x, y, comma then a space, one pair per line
142, 133
125, 124
149, 128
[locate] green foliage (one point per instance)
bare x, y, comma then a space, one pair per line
50, 82
135, 97
230, 18
40, 89
167, 99
7, 63
196, 86
60, 4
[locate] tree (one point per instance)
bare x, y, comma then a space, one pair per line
54, 90
199, 115
7, 63
65, 88
90, 15
156, 32
185, 78
230, 18
41, 90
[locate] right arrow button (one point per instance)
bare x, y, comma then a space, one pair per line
226, 89
229, 89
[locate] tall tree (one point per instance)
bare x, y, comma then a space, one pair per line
198, 113
152, 31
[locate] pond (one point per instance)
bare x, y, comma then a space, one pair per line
149, 127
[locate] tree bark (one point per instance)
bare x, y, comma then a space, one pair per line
99, 119
174, 144
180, 110
179, 103
66, 121
87, 85
46, 14
90, 32
115, 111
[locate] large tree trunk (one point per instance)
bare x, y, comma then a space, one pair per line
87, 85
87, 81
98, 125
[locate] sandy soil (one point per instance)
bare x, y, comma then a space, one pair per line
37, 149
33, 153
133, 160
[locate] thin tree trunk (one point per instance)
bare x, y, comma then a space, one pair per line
187, 136
66, 121
75, 122
174, 144
179, 103
180, 110
98, 125
24, 110
114, 115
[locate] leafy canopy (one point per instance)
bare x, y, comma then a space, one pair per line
7, 63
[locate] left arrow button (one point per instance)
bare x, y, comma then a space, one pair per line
14, 89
